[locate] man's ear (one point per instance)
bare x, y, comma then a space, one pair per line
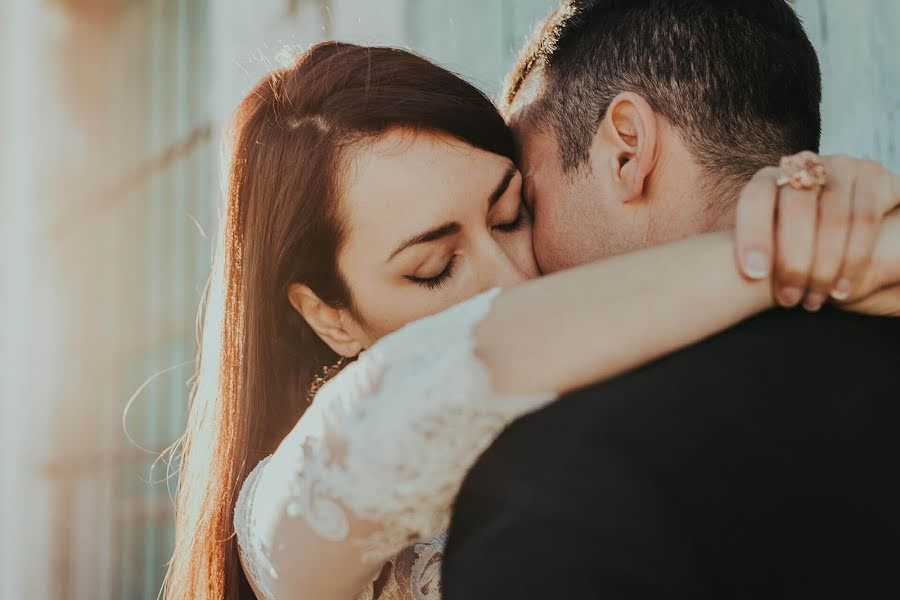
630, 133
329, 323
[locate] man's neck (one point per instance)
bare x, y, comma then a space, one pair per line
720, 200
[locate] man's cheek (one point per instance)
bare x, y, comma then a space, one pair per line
546, 250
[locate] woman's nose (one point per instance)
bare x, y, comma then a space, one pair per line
500, 270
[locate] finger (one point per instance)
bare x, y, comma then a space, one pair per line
884, 182
883, 303
832, 234
865, 220
795, 235
895, 190
755, 224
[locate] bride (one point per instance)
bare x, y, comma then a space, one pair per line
370, 189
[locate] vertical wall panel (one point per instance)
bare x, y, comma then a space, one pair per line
477, 38
859, 50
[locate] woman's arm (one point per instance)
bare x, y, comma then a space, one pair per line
597, 321
588, 324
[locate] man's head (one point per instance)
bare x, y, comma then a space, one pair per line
639, 121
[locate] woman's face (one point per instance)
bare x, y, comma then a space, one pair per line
430, 221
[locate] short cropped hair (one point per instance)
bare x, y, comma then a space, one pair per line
739, 78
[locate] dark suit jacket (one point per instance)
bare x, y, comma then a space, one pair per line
762, 463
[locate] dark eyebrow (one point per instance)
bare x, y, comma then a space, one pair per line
429, 236
454, 228
501, 187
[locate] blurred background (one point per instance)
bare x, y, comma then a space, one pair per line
111, 119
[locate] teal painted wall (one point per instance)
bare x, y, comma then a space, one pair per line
477, 38
858, 43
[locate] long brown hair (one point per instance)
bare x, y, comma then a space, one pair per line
293, 133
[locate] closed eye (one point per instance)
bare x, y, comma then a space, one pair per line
520, 221
438, 280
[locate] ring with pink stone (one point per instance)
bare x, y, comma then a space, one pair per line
803, 171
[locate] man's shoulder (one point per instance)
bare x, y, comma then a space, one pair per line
798, 328
775, 370
780, 352
784, 405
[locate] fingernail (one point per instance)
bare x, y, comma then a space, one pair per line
842, 289
814, 302
790, 296
756, 266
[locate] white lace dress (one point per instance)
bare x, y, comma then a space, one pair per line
362, 487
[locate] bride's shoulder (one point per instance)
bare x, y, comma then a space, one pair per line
244, 506
250, 547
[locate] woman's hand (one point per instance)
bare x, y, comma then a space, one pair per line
816, 243
877, 291
883, 303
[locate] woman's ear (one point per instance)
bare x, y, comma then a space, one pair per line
329, 323
629, 130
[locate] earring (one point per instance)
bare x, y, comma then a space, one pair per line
328, 371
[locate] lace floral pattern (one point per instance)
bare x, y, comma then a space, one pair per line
413, 574
388, 441
252, 551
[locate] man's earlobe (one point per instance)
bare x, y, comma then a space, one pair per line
327, 322
632, 179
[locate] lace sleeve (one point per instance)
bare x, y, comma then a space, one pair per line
375, 463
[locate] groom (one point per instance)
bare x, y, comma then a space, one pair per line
761, 463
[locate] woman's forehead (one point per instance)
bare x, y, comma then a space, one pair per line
417, 178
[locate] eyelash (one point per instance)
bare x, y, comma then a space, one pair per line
517, 224
433, 283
